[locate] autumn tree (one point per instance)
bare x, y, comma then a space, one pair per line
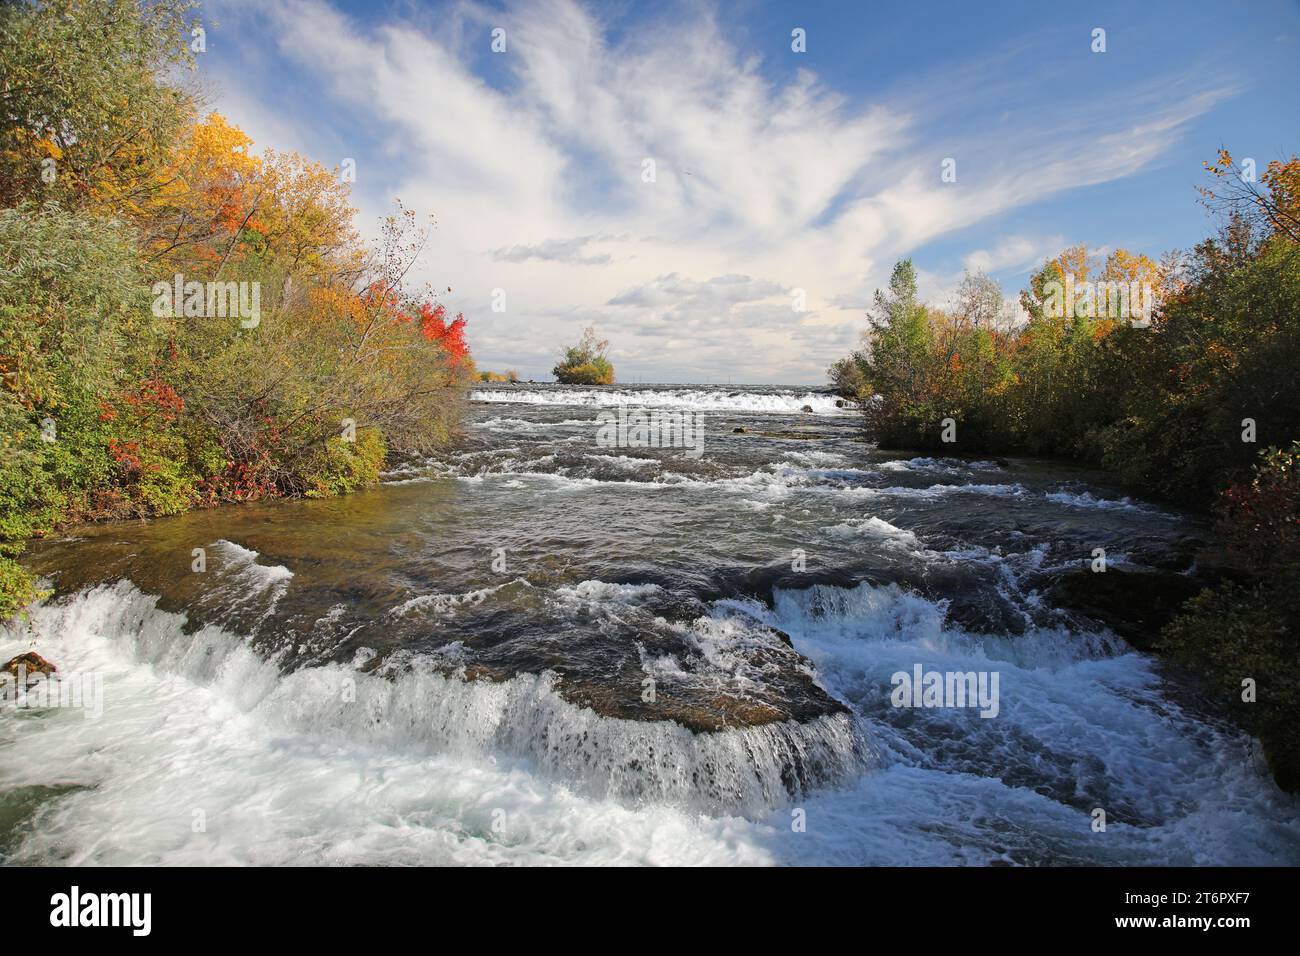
110, 407
192, 222
1272, 201
301, 218
223, 203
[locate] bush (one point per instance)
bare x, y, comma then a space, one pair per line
1237, 631
1231, 633
585, 363
597, 372
17, 588
113, 405
72, 328
341, 467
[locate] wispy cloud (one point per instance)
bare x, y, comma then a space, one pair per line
1019, 253
727, 186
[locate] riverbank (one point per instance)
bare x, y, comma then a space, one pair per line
1189, 399
188, 319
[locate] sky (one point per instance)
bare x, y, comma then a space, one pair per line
721, 206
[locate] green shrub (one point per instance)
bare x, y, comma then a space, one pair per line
1233, 633
596, 372
73, 316
17, 588
585, 363
1236, 631
341, 467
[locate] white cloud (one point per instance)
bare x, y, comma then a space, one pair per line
555, 250
760, 187
1013, 253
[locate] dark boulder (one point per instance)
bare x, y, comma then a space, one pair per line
1133, 604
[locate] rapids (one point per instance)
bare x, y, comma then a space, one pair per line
531, 649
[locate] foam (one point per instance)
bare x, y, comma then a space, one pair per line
689, 398
426, 768
327, 765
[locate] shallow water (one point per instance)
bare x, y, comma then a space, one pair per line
457, 667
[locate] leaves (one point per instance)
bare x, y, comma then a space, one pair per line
585, 363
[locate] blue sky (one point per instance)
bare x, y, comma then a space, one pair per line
780, 178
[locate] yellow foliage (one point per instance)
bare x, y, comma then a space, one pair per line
216, 200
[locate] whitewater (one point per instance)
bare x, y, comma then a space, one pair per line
453, 668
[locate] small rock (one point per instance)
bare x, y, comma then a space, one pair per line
32, 662
806, 408
738, 430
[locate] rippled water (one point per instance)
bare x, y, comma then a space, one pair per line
458, 665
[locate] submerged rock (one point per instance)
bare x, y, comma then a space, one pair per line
1133, 604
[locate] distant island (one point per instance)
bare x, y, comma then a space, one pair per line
585, 363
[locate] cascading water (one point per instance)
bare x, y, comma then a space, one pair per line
534, 648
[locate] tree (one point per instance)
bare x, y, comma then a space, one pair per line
899, 361
979, 300
302, 217
847, 378
192, 222
84, 118
1272, 202
223, 204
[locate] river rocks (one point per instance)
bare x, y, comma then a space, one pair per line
806, 408
702, 711
31, 662
1181, 556
1133, 604
738, 430
797, 435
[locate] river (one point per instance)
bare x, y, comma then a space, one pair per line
539, 647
